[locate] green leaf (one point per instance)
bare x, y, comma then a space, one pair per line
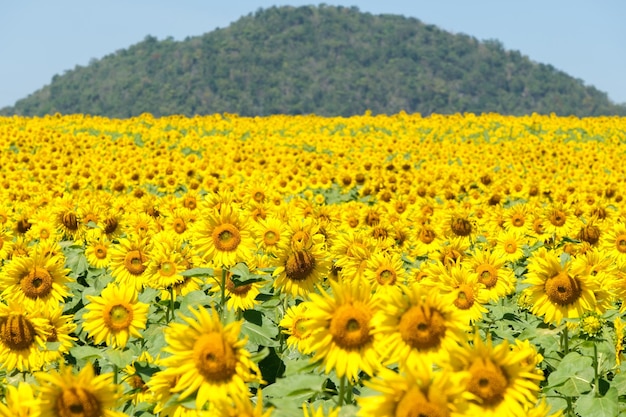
119, 358
86, 352
295, 386
198, 272
193, 299
591, 406
573, 375
619, 383
260, 335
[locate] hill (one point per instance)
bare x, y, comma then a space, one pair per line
325, 60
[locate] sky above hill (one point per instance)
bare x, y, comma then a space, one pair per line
40, 38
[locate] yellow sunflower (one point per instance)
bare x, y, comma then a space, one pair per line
427, 240
341, 328
115, 315
97, 249
502, 381
6, 243
415, 391
239, 297
166, 261
293, 324
560, 221
60, 337
20, 401
418, 324
272, 235
64, 393
517, 219
351, 251
222, 237
460, 288
385, 272
23, 333
509, 246
207, 359
299, 270
614, 243
129, 261
556, 290
36, 278
497, 278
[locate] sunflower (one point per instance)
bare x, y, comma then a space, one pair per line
498, 279
460, 224
129, 261
351, 251
97, 249
557, 290
309, 410
59, 341
271, 235
502, 381
223, 238
67, 220
23, 333
341, 328
63, 393
426, 240
239, 297
6, 243
180, 221
517, 219
415, 391
299, 270
614, 243
509, 246
460, 288
418, 324
207, 359
20, 401
560, 221
294, 326
115, 315
385, 272
166, 261
36, 278
139, 224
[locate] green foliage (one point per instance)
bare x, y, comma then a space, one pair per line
325, 60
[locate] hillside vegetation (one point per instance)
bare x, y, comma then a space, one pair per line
323, 60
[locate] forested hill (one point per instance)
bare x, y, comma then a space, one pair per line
325, 60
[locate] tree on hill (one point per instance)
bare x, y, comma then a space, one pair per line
325, 60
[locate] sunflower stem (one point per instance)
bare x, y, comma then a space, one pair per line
342, 390
565, 340
170, 308
223, 292
596, 376
115, 372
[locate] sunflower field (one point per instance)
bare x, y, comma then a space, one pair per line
459, 265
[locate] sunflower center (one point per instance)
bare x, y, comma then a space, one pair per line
415, 404
562, 289
17, 332
538, 226
226, 237
590, 234
427, 235
422, 327
557, 218
118, 316
167, 269
37, 284
461, 226
110, 225
298, 329
350, 327
179, 225
300, 239
100, 251
271, 237
299, 265
510, 247
518, 220
620, 243
78, 402
214, 357
487, 381
134, 262
240, 290
487, 274
70, 221
385, 276
464, 297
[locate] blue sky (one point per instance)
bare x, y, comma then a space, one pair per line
586, 39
